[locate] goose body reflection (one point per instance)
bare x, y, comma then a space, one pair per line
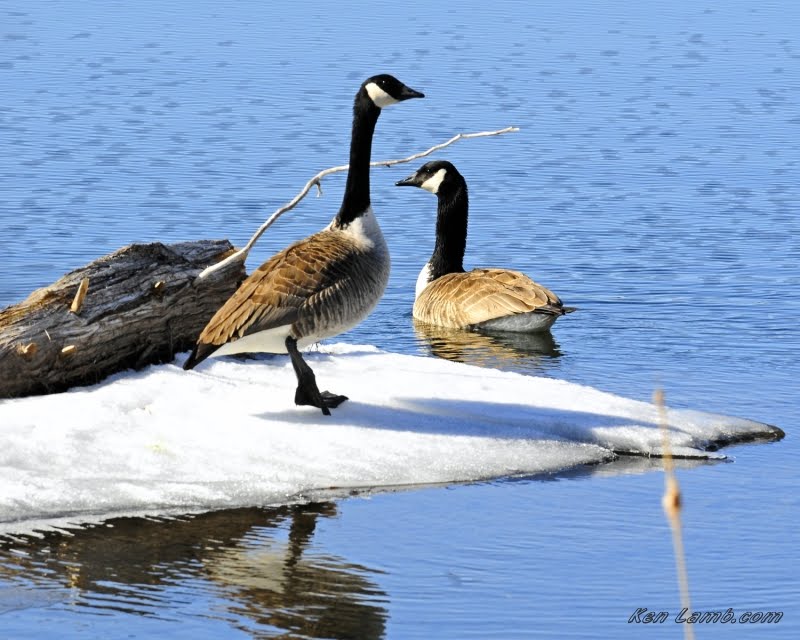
482, 299
513, 351
267, 578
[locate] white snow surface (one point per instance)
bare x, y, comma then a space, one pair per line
228, 434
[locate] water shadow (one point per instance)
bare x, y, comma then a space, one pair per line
257, 562
618, 466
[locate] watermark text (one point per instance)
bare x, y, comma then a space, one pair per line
642, 615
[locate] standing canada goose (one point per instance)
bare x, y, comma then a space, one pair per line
323, 285
492, 299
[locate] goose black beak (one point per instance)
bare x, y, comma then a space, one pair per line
407, 93
410, 181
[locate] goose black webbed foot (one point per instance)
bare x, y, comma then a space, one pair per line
325, 400
307, 391
332, 400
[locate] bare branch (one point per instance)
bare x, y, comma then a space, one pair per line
455, 138
317, 181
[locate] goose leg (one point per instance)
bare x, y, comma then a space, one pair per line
307, 390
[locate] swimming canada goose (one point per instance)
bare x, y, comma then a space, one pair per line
448, 296
323, 285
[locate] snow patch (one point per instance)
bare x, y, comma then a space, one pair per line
228, 434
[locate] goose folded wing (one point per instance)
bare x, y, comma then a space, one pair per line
531, 294
465, 299
278, 292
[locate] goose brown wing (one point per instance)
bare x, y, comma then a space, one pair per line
464, 299
279, 291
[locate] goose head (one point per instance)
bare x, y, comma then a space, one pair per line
437, 176
384, 90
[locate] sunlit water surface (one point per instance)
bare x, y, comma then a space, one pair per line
654, 185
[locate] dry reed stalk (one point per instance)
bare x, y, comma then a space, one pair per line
672, 504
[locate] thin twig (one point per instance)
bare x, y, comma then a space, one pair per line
316, 181
672, 504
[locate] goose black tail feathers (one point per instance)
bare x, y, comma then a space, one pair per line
200, 352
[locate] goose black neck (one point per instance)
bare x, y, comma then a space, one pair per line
451, 230
356, 191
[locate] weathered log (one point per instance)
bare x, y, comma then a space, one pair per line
143, 304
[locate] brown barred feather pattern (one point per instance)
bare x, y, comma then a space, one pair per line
310, 285
461, 300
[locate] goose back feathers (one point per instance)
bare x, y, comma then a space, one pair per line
482, 297
314, 289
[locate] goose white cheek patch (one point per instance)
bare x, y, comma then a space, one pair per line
433, 183
379, 96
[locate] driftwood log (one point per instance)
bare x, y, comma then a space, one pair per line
140, 305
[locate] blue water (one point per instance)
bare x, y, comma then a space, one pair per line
653, 184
